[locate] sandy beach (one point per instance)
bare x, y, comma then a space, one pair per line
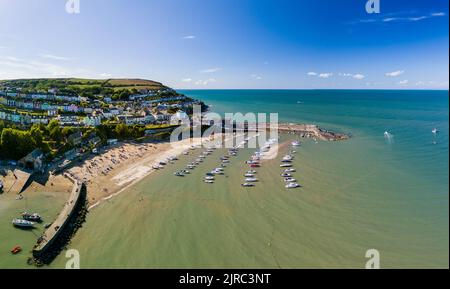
121, 166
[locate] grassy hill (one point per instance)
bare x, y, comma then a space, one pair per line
79, 84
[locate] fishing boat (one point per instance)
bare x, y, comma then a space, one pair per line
22, 223
251, 180
251, 172
31, 217
249, 175
16, 250
255, 165
292, 186
290, 170
248, 185
286, 175
225, 161
179, 174
208, 181
290, 180
209, 178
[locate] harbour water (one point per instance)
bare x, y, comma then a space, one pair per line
364, 193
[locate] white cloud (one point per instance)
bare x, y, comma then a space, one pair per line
395, 73
312, 73
186, 80
189, 37
13, 67
53, 57
358, 76
105, 75
326, 75
403, 82
256, 76
205, 82
437, 14
211, 70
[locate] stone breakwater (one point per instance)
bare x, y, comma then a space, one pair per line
58, 235
312, 131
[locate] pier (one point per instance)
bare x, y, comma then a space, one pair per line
62, 229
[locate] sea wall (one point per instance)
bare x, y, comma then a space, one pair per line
56, 237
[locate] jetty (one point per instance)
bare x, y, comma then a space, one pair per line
303, 130
59, 232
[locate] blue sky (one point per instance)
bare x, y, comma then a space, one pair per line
207, 44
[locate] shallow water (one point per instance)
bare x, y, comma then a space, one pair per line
357, 195
360, 194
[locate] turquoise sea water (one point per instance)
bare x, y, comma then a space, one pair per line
359, 194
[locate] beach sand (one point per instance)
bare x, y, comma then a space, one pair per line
121, 166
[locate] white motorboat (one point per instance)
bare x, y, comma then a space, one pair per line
22, 223
249, 175
292, 186
209, 178
290, 170
209, 181
286, 175
290, 180
251, 180
296, 143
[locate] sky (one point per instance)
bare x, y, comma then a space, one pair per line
230, 44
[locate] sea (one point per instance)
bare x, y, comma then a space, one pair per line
385, 190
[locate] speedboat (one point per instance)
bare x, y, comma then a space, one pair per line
209, 181
290, 180
248, 185
251, 180
22, 223
290, 170
31, 217
251, 172
286, 175
434, 130
209, 178
292, 186
249, 175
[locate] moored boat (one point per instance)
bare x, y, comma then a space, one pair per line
22, 223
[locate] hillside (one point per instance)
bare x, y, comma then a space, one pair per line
81, 86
